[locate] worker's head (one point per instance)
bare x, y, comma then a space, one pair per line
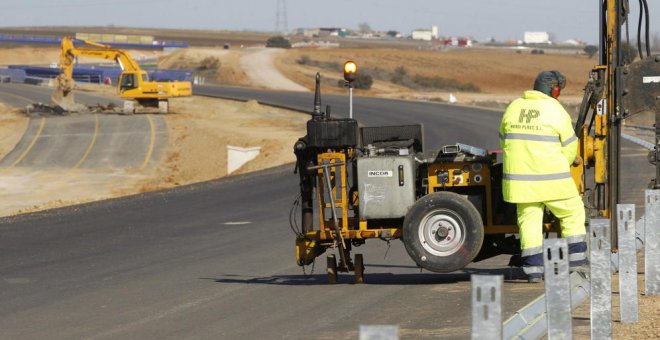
550, 83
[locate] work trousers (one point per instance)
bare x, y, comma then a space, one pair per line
570, 212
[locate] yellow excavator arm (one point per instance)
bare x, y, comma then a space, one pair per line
69, 52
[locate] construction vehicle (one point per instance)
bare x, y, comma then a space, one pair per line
134, 85
446, 205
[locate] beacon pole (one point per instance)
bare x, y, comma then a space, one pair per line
350, 75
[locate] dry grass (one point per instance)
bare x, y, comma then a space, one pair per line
494, 71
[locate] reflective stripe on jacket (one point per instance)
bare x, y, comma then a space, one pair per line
539, 144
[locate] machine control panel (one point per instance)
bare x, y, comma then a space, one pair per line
460, 174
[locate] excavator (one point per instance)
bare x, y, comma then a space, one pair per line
134, 84
446, 205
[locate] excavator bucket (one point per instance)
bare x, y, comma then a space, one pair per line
62, 95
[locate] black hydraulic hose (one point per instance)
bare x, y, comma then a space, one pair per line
639, 30
646, 11
603, 33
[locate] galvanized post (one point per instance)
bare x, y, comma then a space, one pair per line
652, 243
557, 288
601, 279
379, 332
627, 263
486, 306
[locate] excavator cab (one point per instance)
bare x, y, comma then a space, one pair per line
127, 82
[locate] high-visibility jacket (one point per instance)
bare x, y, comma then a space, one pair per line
539, 145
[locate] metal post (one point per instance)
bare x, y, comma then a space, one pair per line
601, 279
486, 306
557, 288
350, 101
652, 243
627, 263
655, 154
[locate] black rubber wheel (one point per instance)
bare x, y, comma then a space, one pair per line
359, 269
443, 232
332, 269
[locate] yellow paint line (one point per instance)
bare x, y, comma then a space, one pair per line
34, 141
91, 144
152, 142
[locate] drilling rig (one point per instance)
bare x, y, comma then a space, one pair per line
381, 183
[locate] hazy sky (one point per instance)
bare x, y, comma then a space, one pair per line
502, 19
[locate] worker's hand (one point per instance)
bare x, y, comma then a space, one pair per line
577, 161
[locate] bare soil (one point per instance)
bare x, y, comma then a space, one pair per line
201, 124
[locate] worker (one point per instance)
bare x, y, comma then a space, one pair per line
539, 146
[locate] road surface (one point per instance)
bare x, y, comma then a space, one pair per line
215, 260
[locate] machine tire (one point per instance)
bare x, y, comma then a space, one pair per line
443, 232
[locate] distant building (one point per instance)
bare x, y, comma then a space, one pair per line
308, 32
537, 38
457, 41
322, 32
574, 42
425, 34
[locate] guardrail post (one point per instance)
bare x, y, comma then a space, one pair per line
627, 263
486, 306
601, 279
557, 288
652, 243
379, 332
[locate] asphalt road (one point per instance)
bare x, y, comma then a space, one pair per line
82, 140
216, 260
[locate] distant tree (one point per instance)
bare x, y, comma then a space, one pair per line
399, 75
629, 53
392, 34
304, 60
363, 81
655, 41
364, 27
590, 50
278, 42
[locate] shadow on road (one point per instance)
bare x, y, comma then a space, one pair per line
371, 278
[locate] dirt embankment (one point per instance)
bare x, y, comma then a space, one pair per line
202, 128
215, 65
